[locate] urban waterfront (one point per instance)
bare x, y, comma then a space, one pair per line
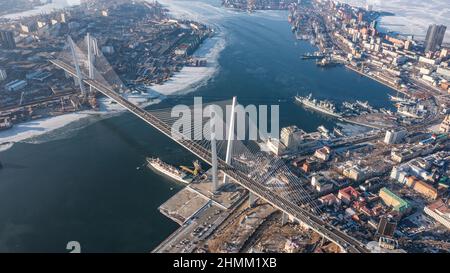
92, 186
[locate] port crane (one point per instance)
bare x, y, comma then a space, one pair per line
197, 168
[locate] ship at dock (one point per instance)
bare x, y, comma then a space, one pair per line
168, 170
398, 99
322, 106
315, 55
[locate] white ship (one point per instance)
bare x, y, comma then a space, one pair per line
168, 170
322, 106
364, 105
396, 98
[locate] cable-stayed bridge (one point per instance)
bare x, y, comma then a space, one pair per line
264, 176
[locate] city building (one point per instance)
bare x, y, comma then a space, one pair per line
329, 200
422, 187
321, 184
289, 135
390, 199
439, 211
435, 37
323, 153
445, 125
386, 226
7, 39
275, 146
310, 165
295, 139
443, 71
29, 26
387, 243
371, 184
394, 136
356, 172
347, 195
15, 85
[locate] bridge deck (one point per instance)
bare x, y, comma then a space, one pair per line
346, 242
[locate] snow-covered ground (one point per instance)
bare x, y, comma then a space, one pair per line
47, 8
411, 16
187, 80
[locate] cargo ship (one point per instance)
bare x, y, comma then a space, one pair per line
322, 106
168, 170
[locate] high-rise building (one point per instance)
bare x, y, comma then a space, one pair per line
290, 136
7, 39
408, 44
435, 37
394, 136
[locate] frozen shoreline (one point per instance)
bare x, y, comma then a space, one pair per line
46, 8
411, 17
183, 82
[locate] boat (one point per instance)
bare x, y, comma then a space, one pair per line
396, 98
5, 124
168, 170
325, 62
315, 55
323, 130
401, 99
364, 104
322, 106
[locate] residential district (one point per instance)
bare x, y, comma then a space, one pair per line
387, 187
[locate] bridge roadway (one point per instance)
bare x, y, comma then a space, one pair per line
344, 241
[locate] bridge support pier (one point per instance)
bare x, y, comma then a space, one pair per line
229, 154
252, 199
215, 184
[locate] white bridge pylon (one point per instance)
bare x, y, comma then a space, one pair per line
230, 134
77, 65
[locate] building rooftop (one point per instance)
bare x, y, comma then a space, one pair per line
401, 204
